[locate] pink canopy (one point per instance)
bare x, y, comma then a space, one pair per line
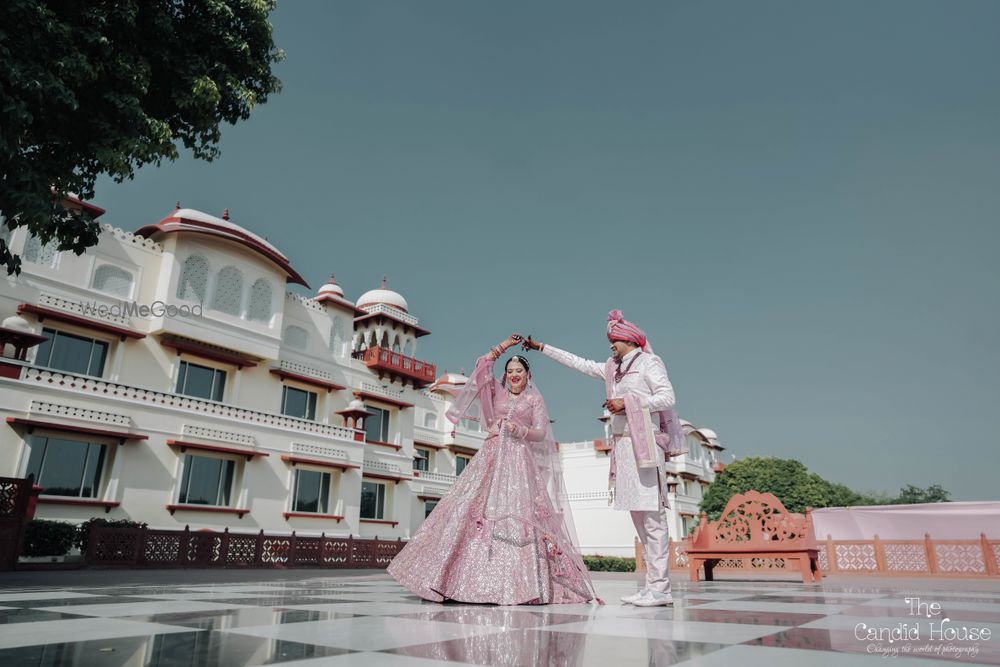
942, 521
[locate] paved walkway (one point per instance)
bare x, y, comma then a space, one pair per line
323, 618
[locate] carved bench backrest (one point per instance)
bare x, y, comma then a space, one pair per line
757, 519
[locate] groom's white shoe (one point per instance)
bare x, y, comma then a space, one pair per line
629, 599
654, 599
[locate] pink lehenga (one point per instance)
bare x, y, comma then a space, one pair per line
503, 533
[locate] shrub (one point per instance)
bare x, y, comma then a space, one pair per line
83, 530
609, 564
47, 538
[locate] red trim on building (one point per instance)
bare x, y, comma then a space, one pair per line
173, 223
382, 521
378, 475
306, 379
41, 312
184, 445
11, 371
309, 515
419, 443
32, 424
467, 451
322, 298
209, 508
425, 498
317, 462
108, 505
232, 358
383, 444
367, 395
601, 446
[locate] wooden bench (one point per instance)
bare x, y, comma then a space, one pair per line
755, 525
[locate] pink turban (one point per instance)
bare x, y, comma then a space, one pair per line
621, 329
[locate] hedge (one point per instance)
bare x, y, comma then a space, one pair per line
47, 538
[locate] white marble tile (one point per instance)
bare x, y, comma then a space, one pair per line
368, 608
791, 607
713, 596
208, 596
43, 595
77, 630
364, 596
768, 656
141, 608
692, 631
367, 633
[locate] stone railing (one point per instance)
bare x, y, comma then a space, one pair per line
103, 389
132, 239
320, 451
302, 369
305, 301
371, 465
218, 434
89, 311
436, 476
372, 388
74, 412
389, 310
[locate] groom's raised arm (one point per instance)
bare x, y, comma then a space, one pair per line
592, 368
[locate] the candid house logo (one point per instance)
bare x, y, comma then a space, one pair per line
928, 633
136, 309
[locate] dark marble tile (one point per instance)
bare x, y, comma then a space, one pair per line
185, 649
786, 619
225, 619
801, 599
63, 602
30, 616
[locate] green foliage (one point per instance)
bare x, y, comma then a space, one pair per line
107, 86
797, 488
914, 494
82, 538
47, 538
609, 564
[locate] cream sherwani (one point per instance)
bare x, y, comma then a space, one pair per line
637, 490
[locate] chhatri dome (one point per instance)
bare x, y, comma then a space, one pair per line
383, 296
331, 288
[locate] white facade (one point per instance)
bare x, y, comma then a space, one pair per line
227, 418
607, 532
238, 412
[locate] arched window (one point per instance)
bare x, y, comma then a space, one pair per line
260, 301
193, 284
296, 337
337, 336
408, 347
395, 344
36, 253
228, 291
113, 280
431, 420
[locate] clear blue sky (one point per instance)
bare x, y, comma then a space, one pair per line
797, 200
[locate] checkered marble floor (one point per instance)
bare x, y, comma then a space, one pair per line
372, 622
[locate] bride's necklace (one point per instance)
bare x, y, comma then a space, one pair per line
512, 398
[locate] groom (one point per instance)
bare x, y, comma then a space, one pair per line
641, 401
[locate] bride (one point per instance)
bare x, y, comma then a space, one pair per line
503, 533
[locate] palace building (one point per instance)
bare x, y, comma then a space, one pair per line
169, 377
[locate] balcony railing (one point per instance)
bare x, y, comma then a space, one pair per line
387, 362
103, 389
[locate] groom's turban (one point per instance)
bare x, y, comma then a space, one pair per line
621, 329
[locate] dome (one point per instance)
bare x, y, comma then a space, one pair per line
331, 288
708, 433
356, 404
16, 322
383, 296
